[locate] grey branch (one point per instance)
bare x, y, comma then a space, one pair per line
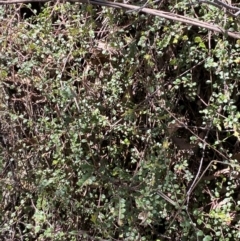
159, 13
220, 4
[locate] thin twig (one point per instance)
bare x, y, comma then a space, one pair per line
197, 176
200, 165
161, 194
143, 6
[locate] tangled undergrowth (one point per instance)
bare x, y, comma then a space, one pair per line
108, 117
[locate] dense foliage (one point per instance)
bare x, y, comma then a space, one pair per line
103, 112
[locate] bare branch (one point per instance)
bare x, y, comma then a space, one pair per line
159, 13
220, 4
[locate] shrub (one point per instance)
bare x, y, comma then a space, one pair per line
102, 111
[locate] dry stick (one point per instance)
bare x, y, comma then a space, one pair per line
159, 13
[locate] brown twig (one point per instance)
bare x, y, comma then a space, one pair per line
159, 13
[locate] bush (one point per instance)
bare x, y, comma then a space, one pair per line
103, 110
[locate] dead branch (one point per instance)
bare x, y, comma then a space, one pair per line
159, 13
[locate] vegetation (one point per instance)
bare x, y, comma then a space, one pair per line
118, 125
